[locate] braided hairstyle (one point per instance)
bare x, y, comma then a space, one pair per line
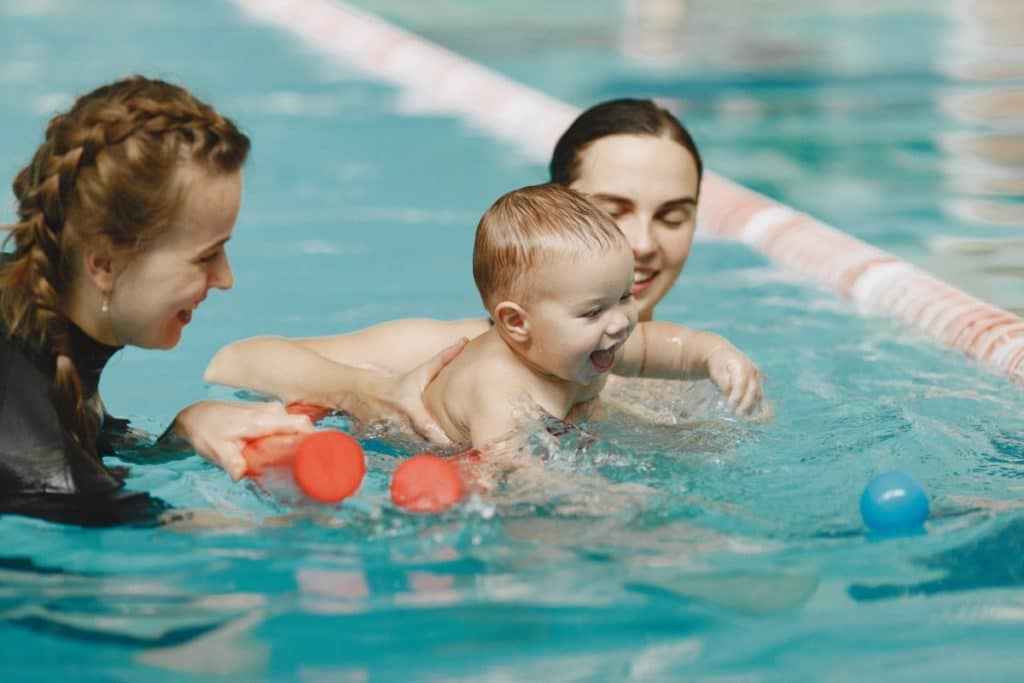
107, 170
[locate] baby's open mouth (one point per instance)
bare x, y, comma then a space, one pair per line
603, 359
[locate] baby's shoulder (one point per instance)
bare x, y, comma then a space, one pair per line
485, 373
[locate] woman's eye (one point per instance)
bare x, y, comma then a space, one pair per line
627, 296
616, 211
675, 218
210, 258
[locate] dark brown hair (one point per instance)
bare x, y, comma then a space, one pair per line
616, 117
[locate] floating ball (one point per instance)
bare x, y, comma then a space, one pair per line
892, 501
329, 466
425, 483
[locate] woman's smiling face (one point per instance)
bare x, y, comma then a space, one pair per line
158, 288
649, 185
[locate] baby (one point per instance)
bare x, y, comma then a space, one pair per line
556, 275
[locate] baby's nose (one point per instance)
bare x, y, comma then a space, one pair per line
618, 324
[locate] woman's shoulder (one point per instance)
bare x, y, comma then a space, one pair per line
36, 453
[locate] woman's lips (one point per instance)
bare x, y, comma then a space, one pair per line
185, 314
642, 281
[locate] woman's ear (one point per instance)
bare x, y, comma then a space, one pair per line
513, 321
98, 264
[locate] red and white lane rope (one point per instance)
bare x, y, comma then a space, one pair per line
434, 78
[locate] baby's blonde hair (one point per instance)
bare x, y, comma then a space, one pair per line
531, 227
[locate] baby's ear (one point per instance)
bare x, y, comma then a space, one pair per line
512, 320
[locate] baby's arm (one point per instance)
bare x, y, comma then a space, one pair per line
667, 351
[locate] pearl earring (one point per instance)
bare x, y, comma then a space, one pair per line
105, 306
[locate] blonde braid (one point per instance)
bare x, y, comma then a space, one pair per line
106, 169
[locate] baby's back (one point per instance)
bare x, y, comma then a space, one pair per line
485, 365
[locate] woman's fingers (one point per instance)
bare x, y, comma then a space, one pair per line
269, 407
427, 428
264, 423
232, 461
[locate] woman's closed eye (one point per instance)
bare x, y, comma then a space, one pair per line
675, 217
209, 258
615, 209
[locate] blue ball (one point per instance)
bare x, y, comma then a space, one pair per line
892, 501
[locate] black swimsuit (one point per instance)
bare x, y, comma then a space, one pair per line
43, 472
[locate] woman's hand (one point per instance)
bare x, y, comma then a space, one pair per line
737, 378
401, 395
219, 430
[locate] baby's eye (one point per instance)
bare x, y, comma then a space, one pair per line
592, 313
627, 296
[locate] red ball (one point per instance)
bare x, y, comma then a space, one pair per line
425, 483
329, 466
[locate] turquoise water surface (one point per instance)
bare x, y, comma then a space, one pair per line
708, 550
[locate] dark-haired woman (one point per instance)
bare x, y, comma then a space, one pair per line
630, 157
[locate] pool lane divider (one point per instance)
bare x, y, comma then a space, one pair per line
434, 79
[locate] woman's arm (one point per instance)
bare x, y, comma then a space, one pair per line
322, 371
296, 368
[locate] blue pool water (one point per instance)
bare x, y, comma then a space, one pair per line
707, 551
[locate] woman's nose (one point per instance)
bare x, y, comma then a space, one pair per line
222, 277
637, 230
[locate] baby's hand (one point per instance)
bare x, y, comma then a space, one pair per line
736, 377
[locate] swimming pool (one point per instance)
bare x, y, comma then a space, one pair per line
746, 562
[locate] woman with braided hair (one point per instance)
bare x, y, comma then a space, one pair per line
123, 216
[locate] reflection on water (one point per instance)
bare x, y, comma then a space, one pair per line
653, 31
916, 145
994, 560
984, 164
